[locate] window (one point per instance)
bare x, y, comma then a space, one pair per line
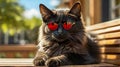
115, 9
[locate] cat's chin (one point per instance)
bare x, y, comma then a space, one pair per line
59, 39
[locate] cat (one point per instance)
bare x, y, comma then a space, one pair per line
63, 40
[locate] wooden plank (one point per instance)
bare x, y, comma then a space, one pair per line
18, 48
16, 62
111, 56
95, 11
106, 30
92, 65
110, 50
109, 42
103, 25
109, 35
116, 62
28, 62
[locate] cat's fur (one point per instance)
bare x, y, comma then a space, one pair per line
65, 47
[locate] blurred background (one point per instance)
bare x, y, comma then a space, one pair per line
20, 21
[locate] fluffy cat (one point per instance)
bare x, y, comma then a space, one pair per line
63, 40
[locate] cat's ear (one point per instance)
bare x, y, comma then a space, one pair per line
76, 9
44, 10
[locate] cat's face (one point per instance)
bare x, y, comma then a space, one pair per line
60, 25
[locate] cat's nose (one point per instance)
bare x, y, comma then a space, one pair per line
60, 31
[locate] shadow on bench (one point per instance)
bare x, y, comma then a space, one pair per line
108, 38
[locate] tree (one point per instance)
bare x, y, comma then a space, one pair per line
12, 21
10, 15
31, 27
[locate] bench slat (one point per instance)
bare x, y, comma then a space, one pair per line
27, 62
16, 61
104, 25
109, 42
106, 30
110, 50
111, 56
116, 62
18, 48
109, 35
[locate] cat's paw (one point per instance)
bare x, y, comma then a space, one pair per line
52, 63
38, 62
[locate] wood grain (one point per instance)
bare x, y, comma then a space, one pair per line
28, 62
112, 35
108, 37
106, 30
109, 42
111, 56
18, 48
103, 25
110, 50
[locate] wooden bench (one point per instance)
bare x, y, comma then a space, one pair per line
18, 51
107, 34
108, 37
27, 62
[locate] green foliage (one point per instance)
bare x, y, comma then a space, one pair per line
31, 55
30, 24
12, 20
10, 15
31, 27
2, 55
18, 55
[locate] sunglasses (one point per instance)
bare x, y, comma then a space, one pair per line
66, 25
